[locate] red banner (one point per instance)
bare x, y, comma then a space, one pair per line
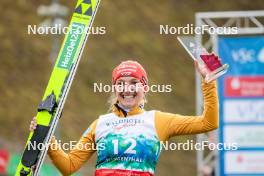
4, 157
244, 86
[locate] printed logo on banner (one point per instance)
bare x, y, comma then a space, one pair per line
245, 55
244, 136
244, 86
243, 110
247, 162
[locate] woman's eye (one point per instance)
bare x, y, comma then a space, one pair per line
134, 82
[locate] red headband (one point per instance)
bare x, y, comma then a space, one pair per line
130, 68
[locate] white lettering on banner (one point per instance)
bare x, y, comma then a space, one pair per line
244, 162
261, 55
243, 55
244, 136
243, 111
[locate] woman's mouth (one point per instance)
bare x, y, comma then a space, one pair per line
128, 96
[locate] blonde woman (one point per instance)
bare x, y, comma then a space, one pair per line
128, 139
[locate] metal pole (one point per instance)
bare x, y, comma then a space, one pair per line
199, 154
215, 134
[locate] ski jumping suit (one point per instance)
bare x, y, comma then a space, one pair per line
128, 144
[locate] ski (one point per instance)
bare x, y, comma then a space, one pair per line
50, 108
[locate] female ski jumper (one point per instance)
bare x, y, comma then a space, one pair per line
129, 142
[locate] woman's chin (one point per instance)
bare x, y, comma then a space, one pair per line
128, 105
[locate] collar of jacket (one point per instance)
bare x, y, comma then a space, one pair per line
120, 112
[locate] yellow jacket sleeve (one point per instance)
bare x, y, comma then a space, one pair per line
70, 162
169, 125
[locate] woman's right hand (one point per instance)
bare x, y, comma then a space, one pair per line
33, 124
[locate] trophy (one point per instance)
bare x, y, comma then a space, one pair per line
212, 63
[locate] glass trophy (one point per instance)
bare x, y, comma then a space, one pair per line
212, 62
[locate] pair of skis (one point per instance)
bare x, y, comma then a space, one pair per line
50, 109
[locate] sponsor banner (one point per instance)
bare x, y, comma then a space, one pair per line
241, 100
245, 55
244, 86
243, 110
244, 162
244, 136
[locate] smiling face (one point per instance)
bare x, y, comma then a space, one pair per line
129, 92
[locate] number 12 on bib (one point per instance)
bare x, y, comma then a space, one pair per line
50, 108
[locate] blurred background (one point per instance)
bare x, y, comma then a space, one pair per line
132, 31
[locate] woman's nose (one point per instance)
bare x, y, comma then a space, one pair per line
128, 88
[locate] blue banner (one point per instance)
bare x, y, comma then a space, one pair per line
241, 96
245, 55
